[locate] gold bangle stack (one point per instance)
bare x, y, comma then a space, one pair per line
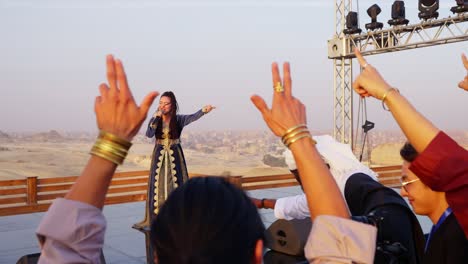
295, 133
110, 147
385, 97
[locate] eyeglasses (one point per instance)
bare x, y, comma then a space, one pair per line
406, 183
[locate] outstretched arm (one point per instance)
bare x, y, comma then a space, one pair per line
187, 119
418, 129
288, 112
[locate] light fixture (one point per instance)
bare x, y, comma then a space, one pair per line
398, 14
352, 26
373, 12
461, 7
428, 9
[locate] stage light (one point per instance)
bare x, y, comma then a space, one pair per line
398, 14
428, 9
373, 12
352, 26
461, 7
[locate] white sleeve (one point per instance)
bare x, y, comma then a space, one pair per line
339, 240
292, 207
71, 232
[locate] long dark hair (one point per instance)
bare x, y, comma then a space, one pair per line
174, 130
206, 220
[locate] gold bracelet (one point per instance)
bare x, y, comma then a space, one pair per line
111, 137
111, 147
300, 137
294, 133
385, 97
289, 130
109, 150
106, 156
287, 143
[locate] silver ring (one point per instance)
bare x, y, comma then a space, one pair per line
365, 65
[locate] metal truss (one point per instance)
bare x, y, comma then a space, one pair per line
342, 91
425, 34
397, 38
343, 97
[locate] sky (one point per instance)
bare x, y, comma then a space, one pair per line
219, 52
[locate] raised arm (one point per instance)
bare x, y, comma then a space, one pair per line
288, 112
72, 230
346, 239
116, 113
418, 129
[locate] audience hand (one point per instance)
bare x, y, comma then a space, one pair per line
464, 84
286, 111
116, 109
369, 82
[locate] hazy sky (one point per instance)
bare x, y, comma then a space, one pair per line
208, 52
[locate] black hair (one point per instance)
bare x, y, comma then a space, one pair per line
408, 152
174, 129
206, 220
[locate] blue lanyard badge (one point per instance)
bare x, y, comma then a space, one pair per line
434, 228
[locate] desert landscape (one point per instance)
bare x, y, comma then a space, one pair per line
247, 153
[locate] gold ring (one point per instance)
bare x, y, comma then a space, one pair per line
278, 87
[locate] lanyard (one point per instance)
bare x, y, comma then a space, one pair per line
434, 228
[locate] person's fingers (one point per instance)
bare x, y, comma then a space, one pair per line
463, 85
111, 74
97, 101
287, 79
147, 102
359, 57
357, 85
277, 83
103, 90
260, 104
275, 74
125, 92
465, 61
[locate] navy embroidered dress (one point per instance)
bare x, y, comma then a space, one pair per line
168, 169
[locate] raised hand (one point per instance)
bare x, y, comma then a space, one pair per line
286, 111
464, 84
116, 109
369, 82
